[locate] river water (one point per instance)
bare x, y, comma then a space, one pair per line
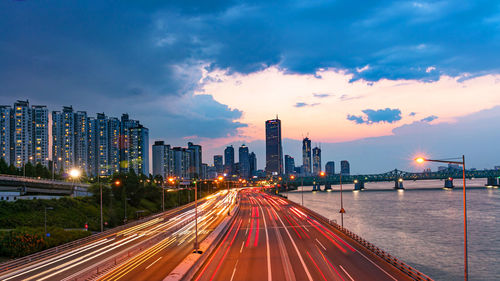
422, 225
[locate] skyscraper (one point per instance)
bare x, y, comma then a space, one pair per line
219, 164
252, 159
114, 145
274, 150
244, 162
82, 141
229, 160
289, 165
162, 160
316, 160
306, 156
330, 168
345, 168
125, 125
5, 133
181, 162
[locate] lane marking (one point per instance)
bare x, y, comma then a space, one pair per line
321, 244
317, 267
331, 265
242, 244
377, 266
234, 271
153, 263
346, 272
269, 273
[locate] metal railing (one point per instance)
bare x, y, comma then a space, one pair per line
9, 265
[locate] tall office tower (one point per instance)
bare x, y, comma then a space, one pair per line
63, 139
125, 125
81, 141
344, 168
139, 150
21, 127
218, 163
274, 150
114, 145
289, 165
5, 133
316, 160
306, 156
40, 134
196, 160
330, 168
252, 159
229, 160
244, 161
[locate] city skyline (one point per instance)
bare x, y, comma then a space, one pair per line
427, 71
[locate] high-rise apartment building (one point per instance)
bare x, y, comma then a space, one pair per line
244, 161
5, 133
63, 138
229, 167
139, 150
330, 168
22, 135
125, 125
274, 149
345, 169
316, 160
181, 162
161, 163
40, 134
114, 145
306, 156
81, 141
219, 164
289, 165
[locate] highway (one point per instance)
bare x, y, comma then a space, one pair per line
272, 239
170, 230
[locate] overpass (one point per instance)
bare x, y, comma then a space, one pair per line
396, 176
12, 187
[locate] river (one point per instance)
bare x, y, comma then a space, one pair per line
422, 225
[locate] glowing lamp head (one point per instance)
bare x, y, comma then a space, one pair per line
117, 182
420, 160
292, 177
171, 179
74, 173
322, 174
220, 178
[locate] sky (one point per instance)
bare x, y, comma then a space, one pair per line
372, 82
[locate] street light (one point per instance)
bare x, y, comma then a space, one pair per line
421, 160
74, 174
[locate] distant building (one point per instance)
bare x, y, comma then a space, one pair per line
196, 160
345, 169
229, 168
497, 168
442, 168
40, 134
126, 124
274, 149
454, 167
330, 168
63, 138
204, 171
139, 150
181, 162
289, 165
306, 156
316, 160
244, 162
163, 160
22, 135
252, 159
219, 164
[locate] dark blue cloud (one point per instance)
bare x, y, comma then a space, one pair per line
321, 95
412, 114
304, 104
429, 118
371, 116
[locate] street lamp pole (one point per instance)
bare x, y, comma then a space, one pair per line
421, 160
342, 211
196, 215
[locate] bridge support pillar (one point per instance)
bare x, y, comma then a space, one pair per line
328, 186
448, 183
359, 185
492, 181
398, 184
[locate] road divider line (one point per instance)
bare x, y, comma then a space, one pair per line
153, 263
345, 271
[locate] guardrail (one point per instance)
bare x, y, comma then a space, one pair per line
403, 267
95, 271
61, 248
41, 180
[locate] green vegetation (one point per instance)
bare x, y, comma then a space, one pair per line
29, 170
142, 194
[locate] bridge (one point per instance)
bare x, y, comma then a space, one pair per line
396, 176
15, 187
